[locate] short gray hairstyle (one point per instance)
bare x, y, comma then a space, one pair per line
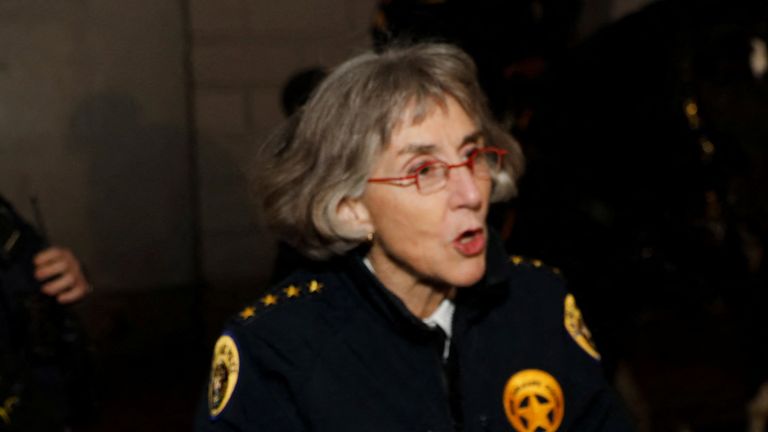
324, 152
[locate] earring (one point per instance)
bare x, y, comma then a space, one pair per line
370, 237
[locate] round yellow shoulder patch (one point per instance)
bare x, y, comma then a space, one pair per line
576, 327
224, 370
533, 401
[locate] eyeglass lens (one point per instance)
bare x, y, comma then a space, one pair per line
434, 177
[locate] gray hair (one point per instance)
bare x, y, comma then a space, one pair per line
324, 152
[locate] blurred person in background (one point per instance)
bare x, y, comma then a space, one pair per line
43, 354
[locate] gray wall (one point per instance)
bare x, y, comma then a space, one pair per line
243, 53
93, 123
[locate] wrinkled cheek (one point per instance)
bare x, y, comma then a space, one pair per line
402, 233
423, 241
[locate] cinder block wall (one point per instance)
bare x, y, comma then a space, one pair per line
93, 121
243, 52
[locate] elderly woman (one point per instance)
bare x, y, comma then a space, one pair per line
414, 319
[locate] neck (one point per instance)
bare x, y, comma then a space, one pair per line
421, 297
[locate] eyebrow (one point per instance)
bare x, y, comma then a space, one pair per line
423, 148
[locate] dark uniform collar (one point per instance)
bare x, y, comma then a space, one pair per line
474, 300
383, 301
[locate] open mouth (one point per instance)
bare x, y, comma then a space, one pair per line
470, 242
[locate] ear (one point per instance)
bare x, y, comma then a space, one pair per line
354, 215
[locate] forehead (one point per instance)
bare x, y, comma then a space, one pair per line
430, 123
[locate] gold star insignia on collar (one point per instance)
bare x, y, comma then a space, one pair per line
248, 312
292, 291
269, 300
518, 260
315, 286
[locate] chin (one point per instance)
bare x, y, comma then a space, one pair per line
467, 274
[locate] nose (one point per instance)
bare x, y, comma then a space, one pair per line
464, 189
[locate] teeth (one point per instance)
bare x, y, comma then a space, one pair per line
466, 237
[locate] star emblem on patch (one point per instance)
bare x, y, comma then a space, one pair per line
533, 401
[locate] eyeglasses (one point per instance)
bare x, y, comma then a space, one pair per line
432, 176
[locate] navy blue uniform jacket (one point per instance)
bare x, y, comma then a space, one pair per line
334, 350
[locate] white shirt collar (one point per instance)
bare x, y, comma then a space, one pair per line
442, 317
